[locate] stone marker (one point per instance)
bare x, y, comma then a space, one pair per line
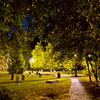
23, 78
12, 76
54, 71
58, 75
40, 75
51, 81
37, 73
29, 73
17, 79
41, 70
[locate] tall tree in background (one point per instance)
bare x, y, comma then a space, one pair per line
38, 56
44, 59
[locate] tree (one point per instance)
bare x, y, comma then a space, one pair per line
44, 59
38, 55
70, 26
72, 63
14, 40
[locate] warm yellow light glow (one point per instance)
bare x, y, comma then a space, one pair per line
32, 60
75, 55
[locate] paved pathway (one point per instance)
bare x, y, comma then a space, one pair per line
78, 90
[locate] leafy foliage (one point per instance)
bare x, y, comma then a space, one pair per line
70, 26
44, 59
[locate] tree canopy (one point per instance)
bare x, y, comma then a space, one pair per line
72, 27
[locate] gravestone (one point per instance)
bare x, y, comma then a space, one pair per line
29, 73
12, 76
41, 70
51, 70
58, 75
51, 81
23, 77
37, 73
40, 75
54, 71
17, 79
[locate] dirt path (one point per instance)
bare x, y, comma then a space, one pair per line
78, 90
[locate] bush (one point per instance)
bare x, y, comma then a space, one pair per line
4, 94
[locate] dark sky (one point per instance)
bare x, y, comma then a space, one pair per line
12, 28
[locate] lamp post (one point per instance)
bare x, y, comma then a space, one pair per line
75, 55
32, 60
75, 66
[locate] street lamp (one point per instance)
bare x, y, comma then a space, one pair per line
32, 60
75, 55
75, 66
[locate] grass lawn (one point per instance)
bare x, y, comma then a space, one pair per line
34, 88
94, 90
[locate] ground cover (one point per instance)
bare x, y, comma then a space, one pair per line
94, 90
34, 87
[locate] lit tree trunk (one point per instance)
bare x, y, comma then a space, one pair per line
88, 70
96, 69
96, 72
91, 66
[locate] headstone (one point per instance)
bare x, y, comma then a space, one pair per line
37, 73
40, 75
58, 75
12, 76
41, 70
2, 68
51, 81
17, 79
23, 78
29, 73
54, 70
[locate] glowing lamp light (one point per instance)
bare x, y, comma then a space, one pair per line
32, 60
75, 55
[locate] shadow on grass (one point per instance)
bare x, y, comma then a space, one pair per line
4, 94
77, 76
90, 88
27, 81
48, 74
95, 83
52, 95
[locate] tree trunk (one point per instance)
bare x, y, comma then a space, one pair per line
12, 76
88, 70
75, 71
32, 70
91, 66
96, 72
